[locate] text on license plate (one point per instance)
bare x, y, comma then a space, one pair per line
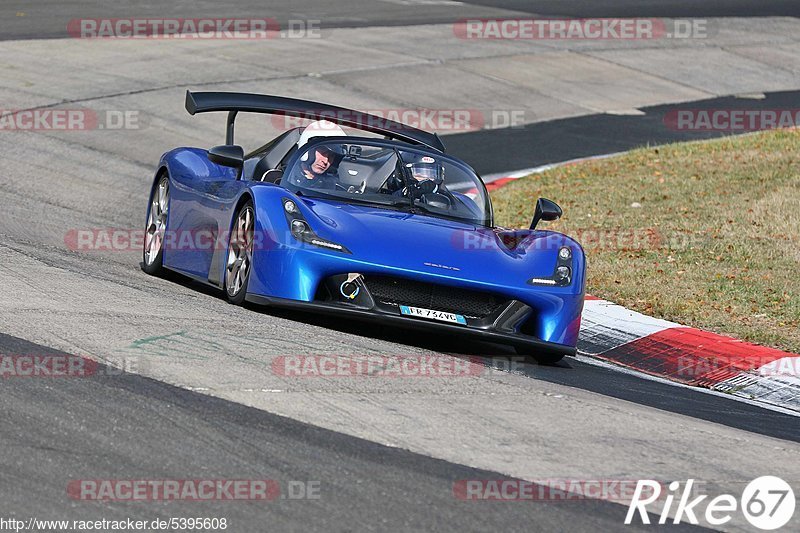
433, 315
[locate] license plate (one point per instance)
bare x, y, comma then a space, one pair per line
433, 315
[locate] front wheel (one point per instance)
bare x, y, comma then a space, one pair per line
239, 262
156, 229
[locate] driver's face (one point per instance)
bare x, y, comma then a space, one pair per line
322, 162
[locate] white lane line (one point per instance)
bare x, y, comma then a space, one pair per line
516, 174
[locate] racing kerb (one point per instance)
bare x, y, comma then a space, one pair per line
691, 356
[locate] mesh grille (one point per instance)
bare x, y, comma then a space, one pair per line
398, 291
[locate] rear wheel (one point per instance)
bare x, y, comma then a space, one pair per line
239, 261
156, 229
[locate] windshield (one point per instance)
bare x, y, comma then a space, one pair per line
384, 175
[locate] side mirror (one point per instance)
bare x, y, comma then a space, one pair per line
546, 210
227, 156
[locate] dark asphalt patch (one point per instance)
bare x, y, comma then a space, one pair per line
532, 145
648, 8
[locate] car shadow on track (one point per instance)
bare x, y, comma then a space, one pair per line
491, 355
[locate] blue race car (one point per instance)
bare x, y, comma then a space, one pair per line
380, 226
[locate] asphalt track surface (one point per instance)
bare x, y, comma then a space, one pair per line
131, 426
124, 426
44, 19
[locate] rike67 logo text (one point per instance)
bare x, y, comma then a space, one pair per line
767, 503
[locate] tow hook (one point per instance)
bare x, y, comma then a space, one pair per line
349, 288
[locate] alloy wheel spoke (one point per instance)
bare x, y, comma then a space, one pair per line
156, 222
162, 197
240, 251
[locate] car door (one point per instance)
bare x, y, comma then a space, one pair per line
201, 208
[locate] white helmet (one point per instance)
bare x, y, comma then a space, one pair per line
320, 128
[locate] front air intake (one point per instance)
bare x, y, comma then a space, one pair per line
395, 292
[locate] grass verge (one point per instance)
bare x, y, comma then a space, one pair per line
706, 234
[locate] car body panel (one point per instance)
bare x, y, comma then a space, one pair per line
381, 241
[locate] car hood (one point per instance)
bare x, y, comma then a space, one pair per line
423, 243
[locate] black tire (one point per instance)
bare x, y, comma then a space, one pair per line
239, 256
155, 228
541, 358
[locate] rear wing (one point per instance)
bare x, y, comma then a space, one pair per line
233, 103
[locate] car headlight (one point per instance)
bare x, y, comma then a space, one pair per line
301, 230
562, 275
299, 227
